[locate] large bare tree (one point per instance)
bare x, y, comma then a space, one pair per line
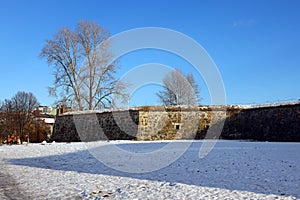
179, 90
84, 78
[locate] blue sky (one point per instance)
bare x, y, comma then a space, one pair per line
255, 44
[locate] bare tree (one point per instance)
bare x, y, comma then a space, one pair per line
179, 90
84, 77
7, 118
17, 113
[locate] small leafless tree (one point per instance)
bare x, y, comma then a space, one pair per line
179, 90
84, 77
6, 118
17, 113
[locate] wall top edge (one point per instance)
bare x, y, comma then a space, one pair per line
184, 108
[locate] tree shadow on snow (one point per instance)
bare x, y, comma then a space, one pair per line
255, 167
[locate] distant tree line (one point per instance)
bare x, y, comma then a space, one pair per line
19, 117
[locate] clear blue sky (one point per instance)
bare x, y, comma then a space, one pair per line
255, 44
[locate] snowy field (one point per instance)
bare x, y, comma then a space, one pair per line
232, 170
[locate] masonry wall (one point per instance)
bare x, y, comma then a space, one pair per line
273, 123
96, 126
280, 123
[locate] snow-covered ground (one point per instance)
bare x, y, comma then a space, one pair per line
232, 170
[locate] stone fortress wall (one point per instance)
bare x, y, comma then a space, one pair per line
262, 123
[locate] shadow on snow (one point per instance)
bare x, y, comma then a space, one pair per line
269, 168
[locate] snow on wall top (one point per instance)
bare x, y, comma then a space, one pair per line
184, 108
